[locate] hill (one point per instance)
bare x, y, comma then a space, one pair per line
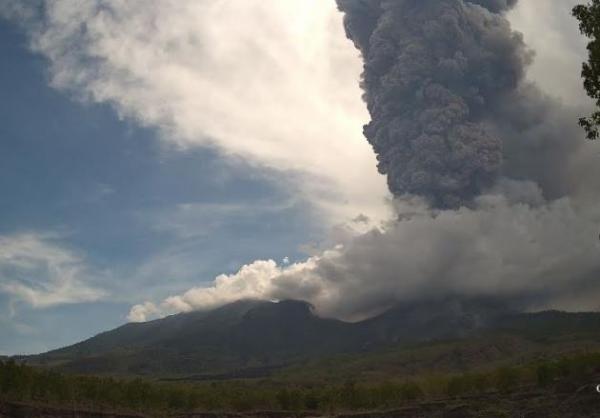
256, 338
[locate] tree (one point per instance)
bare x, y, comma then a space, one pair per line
589, 25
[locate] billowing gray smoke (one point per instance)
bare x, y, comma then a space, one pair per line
495, 5
454, 121
434, 73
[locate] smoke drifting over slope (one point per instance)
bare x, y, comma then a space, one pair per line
495, 250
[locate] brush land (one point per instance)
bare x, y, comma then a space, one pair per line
280, 359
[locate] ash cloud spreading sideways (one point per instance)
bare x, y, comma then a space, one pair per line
495, 188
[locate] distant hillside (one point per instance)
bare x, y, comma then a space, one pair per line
257, 338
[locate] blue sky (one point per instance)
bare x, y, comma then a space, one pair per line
148, 219
146, 151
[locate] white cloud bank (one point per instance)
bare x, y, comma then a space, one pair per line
36, 271
272, 82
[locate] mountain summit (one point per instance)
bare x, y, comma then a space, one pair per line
256, 336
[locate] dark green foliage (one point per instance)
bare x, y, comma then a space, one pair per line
311, 400
20, 382
544, 375
285, 399
507, 379
410, 392
467, 384
579, 370
589, 24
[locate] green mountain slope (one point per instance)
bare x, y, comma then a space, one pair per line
257, 338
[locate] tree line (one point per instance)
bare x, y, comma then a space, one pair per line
19, 382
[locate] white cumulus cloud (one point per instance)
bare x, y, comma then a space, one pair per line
272, 82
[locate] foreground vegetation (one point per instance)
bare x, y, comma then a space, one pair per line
23, 383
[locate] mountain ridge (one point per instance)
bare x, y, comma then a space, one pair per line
260, 335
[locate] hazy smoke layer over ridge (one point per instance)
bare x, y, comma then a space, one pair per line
527, 257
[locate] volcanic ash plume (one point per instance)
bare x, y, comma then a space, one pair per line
433, 72
511, 205
496, 5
